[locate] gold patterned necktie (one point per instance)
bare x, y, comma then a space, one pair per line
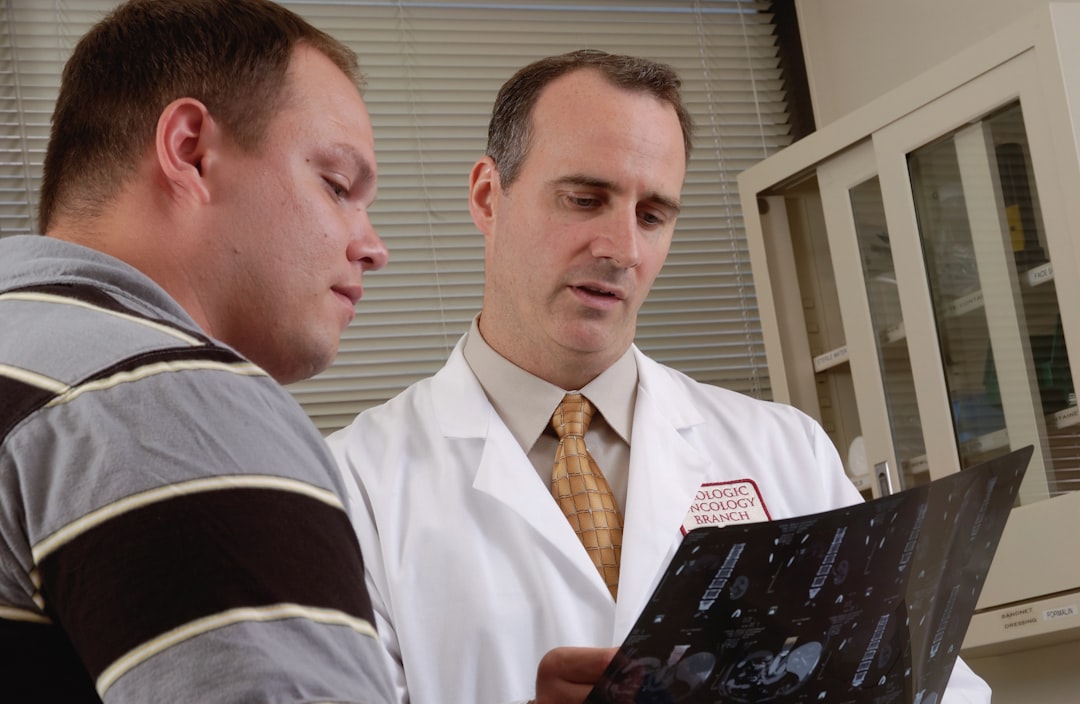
583, 493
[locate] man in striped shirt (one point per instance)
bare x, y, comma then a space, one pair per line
170, 522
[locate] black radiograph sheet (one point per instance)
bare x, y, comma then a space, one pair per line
866, 604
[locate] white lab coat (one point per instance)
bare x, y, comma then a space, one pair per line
474, 572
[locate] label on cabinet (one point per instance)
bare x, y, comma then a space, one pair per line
831, 359
1066, 417
1053, 614
1040, 274
1022, 626
919, 464
1018, 618
964, 304
894, 333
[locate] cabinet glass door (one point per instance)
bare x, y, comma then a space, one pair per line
879, 276
994, 300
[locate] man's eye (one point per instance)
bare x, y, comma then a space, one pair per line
651, 219
338, 190
583, 201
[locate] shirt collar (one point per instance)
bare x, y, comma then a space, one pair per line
525, 402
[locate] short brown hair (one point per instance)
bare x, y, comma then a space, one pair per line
232, 55
510, 130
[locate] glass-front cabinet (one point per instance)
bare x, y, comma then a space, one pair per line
917, 270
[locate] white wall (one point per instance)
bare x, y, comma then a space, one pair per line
1038, 676
857, 50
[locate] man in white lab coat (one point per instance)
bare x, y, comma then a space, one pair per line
482, 590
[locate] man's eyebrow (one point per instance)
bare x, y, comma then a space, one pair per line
362, 167
665, 202
593, 182
584, 180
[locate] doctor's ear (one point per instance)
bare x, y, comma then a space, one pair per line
484, 192
183, 143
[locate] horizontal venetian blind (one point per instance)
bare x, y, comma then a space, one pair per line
433, 69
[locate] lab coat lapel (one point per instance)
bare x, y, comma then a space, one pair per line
665, 472
506, 474
502, 469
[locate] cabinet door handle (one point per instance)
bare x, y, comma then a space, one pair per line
884, 479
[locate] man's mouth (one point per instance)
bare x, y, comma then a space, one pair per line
597, 291
353, 293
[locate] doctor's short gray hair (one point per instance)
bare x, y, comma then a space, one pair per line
510, 129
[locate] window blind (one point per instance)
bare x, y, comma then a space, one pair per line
433, 69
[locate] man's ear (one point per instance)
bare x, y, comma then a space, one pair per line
185, 132
484, 191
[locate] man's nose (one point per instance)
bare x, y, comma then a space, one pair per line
618, 240
367, 247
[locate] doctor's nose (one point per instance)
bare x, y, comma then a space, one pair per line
618, 240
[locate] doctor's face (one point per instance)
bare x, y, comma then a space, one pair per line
574, 244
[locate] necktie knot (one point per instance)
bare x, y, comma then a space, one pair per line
572, 416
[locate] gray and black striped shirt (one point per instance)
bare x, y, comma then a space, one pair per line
171, 527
